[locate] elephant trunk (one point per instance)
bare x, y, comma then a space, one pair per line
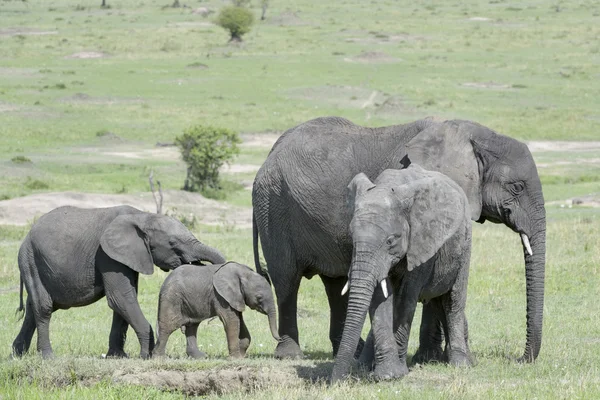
203, 252
273, 323
535, 265
362, 286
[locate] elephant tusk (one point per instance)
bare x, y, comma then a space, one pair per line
384, 288
346, 286
525, 240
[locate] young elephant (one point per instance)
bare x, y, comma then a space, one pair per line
410, 228
73, 257
190, 295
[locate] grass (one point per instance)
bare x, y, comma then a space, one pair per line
528, 70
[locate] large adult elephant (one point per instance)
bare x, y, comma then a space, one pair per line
72, 257
299, 214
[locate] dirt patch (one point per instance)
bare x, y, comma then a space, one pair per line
479, 19
87, 99
7, 107
557, 145
87, 54
25, 31
19, 72
486, 85
591, 200
220, 381
266, 140
373, 57
22, 210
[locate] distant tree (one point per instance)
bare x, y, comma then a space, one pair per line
237, 20
103, 5
205, 149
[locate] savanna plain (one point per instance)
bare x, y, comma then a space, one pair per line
91, 97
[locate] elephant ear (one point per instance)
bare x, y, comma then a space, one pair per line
447, 148
438, 210
227, 282
359, 185
125, 241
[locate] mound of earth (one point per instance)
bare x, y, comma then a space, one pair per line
23, 210
375, 57
215, 381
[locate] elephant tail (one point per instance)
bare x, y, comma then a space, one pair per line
257, 263
21, 309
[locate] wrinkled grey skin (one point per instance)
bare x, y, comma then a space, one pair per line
72, 257
410, 228
299, 192
193, 294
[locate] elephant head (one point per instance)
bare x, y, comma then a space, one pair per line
240, 286
142, 240
401, 220
499, 177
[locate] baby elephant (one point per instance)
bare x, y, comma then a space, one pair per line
191, 294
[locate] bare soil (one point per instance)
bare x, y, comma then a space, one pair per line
23, 210
216, 381
87, 54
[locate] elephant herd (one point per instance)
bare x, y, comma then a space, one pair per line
382, 215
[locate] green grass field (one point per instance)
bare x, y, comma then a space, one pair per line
69, 122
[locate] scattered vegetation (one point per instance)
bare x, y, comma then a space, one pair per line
35, 184
205, 149
20, 160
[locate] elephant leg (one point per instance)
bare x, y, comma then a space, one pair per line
231, 323
120, 284
42, 311
164, 332
367, 355
405, 304
457, 349
244, 337
191, 344
387, 363
118, 334
338, 305
286, 281
431, 336
23, 339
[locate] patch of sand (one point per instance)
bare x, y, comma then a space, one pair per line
87, 54
486, 85
22, 210
25, 31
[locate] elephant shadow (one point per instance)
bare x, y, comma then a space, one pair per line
319, 372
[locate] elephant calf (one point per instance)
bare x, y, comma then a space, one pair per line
190, 295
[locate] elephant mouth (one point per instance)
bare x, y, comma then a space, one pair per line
197, 262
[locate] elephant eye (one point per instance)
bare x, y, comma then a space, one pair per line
517, 187
390, 240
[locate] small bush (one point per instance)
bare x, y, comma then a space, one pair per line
35, 184
237, 20
205, 149
20, 160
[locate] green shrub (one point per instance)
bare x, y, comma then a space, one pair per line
237, 20
205, 149
35, 184
20, 160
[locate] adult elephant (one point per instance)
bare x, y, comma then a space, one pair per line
299, 214
72, 257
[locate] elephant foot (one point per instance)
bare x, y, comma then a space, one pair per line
428, 355
116, 353
18, 350
288, 349
47, 354
459, 358
198, 355
390, 370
